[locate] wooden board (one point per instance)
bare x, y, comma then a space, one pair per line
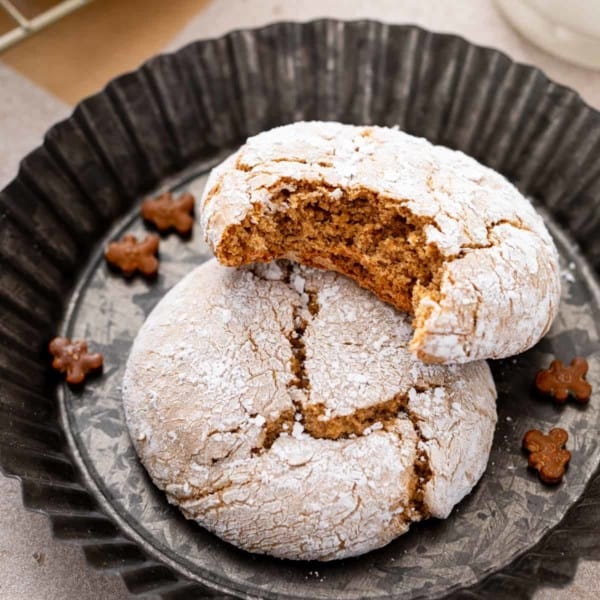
77, 56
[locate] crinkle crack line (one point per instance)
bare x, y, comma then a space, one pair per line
311, 417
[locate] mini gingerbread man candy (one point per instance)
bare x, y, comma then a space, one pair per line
548, 455
560, 380
167, 213
72, 358
130, 256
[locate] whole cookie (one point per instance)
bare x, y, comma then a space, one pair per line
280, 407
425, 228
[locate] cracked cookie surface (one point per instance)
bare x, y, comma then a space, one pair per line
279, 406
425, 228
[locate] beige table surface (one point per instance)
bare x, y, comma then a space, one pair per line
32, 564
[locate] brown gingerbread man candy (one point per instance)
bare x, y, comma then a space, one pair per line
548, 455
73, 358
130, 256
560, 380
167, 213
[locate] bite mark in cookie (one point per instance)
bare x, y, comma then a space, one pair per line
359, 234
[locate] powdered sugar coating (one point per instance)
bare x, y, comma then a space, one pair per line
211, 369
500, 285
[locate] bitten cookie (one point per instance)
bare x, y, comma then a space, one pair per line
280, 408
425, 228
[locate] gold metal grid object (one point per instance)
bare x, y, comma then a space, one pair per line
26, 27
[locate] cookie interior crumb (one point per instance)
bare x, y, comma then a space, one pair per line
369, 238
